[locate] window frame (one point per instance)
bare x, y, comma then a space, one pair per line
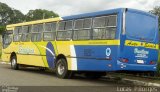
29, 33
39, 32
17, 34
105, 27
57, 38
82, 29
53, 30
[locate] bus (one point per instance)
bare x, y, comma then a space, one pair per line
94, 43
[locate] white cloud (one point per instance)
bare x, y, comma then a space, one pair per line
69, 7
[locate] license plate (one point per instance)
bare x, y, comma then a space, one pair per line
140, 61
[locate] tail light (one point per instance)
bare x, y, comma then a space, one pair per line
124, 60
152, 62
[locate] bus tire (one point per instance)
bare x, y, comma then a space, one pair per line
62, 69
14, 64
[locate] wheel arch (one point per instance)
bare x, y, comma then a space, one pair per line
59, 57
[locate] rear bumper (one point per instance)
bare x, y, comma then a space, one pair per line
135, 67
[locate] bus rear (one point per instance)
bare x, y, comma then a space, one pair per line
139, 42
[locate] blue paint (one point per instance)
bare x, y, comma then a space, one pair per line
49, 56
97, 55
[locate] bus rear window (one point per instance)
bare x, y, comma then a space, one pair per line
140, 26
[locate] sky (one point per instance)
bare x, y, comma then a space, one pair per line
72, 7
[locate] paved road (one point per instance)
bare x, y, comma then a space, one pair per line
34, 77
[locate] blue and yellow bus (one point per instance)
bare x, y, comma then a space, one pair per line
93, 43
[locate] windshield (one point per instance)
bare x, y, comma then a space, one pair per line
140, 26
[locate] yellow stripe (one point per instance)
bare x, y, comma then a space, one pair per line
91, 42
141, 44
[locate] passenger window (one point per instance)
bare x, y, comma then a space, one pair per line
17, 34
104, 27
54, 26
79, 24
37, 32
26, 34
82, 29
18, 30
48, 27
36, 37
25, 37
68, 25
99, 22
61, 25
87, 23
81, 35
66, 30
112, 21
49, 36
50, 31
37, 28
16, 37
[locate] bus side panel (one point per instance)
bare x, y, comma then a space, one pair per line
5, 57
64, 48
28, 53
96, 58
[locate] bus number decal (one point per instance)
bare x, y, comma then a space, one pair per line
108, 52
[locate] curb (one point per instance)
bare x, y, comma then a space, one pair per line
139, 83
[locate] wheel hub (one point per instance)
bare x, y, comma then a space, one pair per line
61, 68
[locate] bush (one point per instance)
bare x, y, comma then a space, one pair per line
2, 29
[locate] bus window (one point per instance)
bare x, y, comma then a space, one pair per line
82, 29
104, 27
48, 27
99, 22
66, 30
36, 37
112, 21
87, 23
47, 36
61, 25
37, 28
49, 32
37, 32
7, 39
18, 30
26, 34
17, 34
78, 24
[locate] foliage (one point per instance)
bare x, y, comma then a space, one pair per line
2, 29
9, 15
39, 14
156, 11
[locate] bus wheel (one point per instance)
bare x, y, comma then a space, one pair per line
62, 69
14, 64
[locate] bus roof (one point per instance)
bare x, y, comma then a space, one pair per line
111, 11
35, 22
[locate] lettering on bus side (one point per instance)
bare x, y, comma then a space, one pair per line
148, 45
131, 43
26, 50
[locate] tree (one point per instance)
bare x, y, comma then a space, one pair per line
40, 14
156, 11
5, 14
9, 15
17, 17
